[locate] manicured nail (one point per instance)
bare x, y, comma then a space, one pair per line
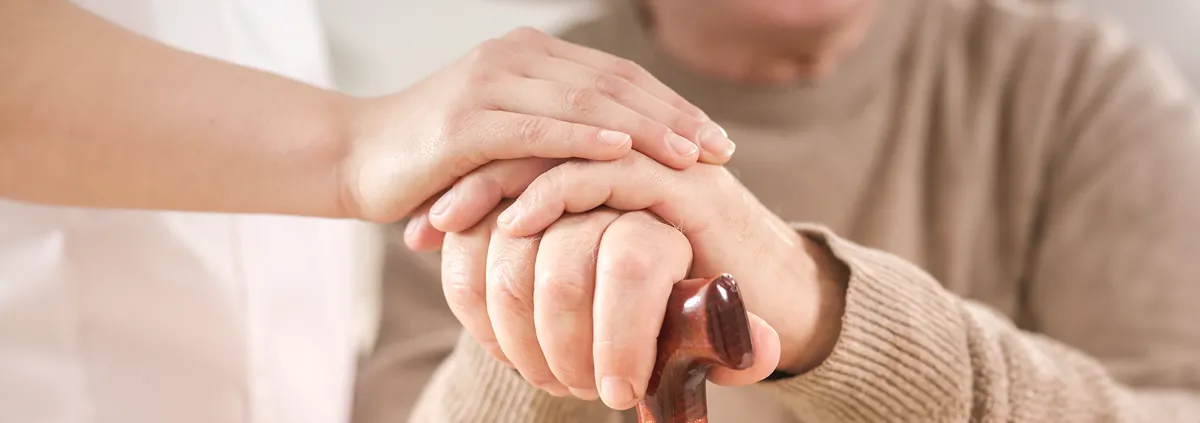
443, 203
585, 394
716, 141
617, 392
681, 145
508, 215
613, 138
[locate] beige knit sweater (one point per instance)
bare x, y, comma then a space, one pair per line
1015, 188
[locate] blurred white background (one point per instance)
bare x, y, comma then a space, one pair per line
381, 46
1172, 24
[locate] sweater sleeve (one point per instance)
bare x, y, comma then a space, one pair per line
416, 333
911, 351
1110, 319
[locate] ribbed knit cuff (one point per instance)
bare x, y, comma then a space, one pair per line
902, 355
474, 387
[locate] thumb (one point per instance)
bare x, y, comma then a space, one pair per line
766, 357
419, 233
421, 236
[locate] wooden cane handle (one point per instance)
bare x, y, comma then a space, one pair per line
705, 325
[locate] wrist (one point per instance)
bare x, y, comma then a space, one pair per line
350, 136
830, 277
307, 139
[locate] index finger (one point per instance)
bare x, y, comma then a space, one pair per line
609, 63
479, 192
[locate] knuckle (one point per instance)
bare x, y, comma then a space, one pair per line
534, 130
461, 294
481, 76
582, 101
611, 85
686, 123
627, 69
485, 184
485, 65
631, 265
567, 290
558, 180
509, 283
525, 33
457, 120
509, 277
486, 52
635, 261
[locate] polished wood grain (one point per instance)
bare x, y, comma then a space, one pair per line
705, 325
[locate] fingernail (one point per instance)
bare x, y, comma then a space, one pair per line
443, 203
613, 138
617, 392
681, 145
508, 215
716, 141
585, 394
410, 228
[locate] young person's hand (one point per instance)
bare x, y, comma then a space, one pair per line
153, 127
526, 94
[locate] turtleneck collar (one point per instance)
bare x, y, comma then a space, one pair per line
853, 81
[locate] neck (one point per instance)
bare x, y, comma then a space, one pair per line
709, 44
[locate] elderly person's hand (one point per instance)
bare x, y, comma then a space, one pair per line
789, 281
577, 309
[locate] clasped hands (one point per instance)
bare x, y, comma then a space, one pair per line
568, 282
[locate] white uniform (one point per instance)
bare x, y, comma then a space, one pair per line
112, 316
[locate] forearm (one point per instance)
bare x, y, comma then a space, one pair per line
911, 351
93, 115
